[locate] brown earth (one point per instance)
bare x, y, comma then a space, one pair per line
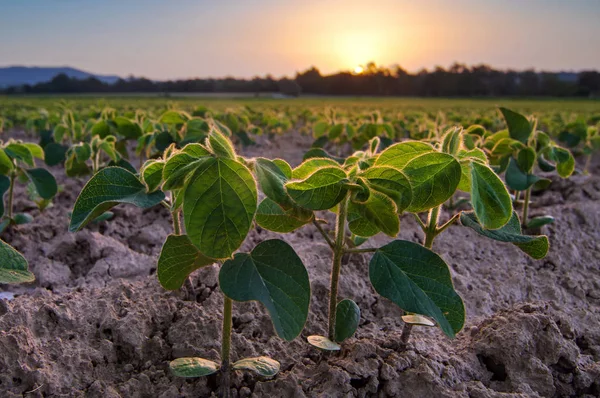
96, 323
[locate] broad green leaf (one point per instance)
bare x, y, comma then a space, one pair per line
152, 174
398, 155
465, 159
35, 149
6, 164
55, 154
272, 179
101, 129
310, 166
452, 141
4, 186
321, 153
347, 316
434, 178
178, 259
219, 205
13, 266
390, 182
272, 217
274, 275
109, 148
377, 213
526, 159
322, 190
22, 218
178, 167
490, 198
127, 128
519, 127
284, 167
106, 189
263, 366
335, 131
323, 343
82, 151
538, 222
417, 280
565, 163
20, 152
545, 165
220, 145
193, 367
516, 179
320, 128
44, 181
124, 164
535, 246
172, 117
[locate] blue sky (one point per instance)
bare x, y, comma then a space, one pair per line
183, 38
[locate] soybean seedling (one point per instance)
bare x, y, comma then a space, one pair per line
216, 191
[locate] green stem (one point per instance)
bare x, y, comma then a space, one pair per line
588, 162
432, 227
338, 253
526, 206
325, 235
11, 194
365, 250
176, 222
226, 346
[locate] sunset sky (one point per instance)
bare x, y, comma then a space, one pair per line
183, 39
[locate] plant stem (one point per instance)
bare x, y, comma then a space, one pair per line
325, 235
526, 206
405, 333
226, 347
338, 253
365, 250
176, 222
588, 162
11, 194
431, 230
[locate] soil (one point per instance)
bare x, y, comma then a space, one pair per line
96, 323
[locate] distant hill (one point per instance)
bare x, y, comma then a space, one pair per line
19, 75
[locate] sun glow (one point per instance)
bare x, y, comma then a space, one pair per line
358, 70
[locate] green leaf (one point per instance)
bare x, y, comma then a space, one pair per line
519, 127
220, 145
538, 222
193, 367
13, 266
20, 152
398, 155
321, 153
320, 128
465, 159
101, 129
55, 154
272, 179
219, 205
274, 275
417, 280
335, 131
526, 159
180, 165
377, 213
127, 128
45, 183
35, 149
22, 218
284, 167
323, 343
106, 189
152, 174
310, 166
322, 190
516, 179
565, 162
535, 246
6, 164
490, 198
272, 217
172, 117
452, 141
347, 316
434, 178
263, 366
82, 151
390, 182
4, 186
178, 259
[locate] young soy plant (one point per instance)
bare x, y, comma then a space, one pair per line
216, 191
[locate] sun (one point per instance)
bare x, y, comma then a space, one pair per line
358, 70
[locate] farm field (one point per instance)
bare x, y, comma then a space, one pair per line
478, 217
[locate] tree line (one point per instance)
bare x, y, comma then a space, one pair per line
458, 80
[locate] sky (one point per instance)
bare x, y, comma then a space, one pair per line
243, 38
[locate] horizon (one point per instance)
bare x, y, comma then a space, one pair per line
161, 41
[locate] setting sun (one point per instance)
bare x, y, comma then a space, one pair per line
358, 70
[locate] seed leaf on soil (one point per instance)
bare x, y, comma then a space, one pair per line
219, 205
178, 259
193, 367
434, 178
13, 266
323, 343
106, 189
534, 246
44, 181
538, 222
321, 190
274, 275
415, 319
272, 217
347, 317
490, 198
263, 366
417, 280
